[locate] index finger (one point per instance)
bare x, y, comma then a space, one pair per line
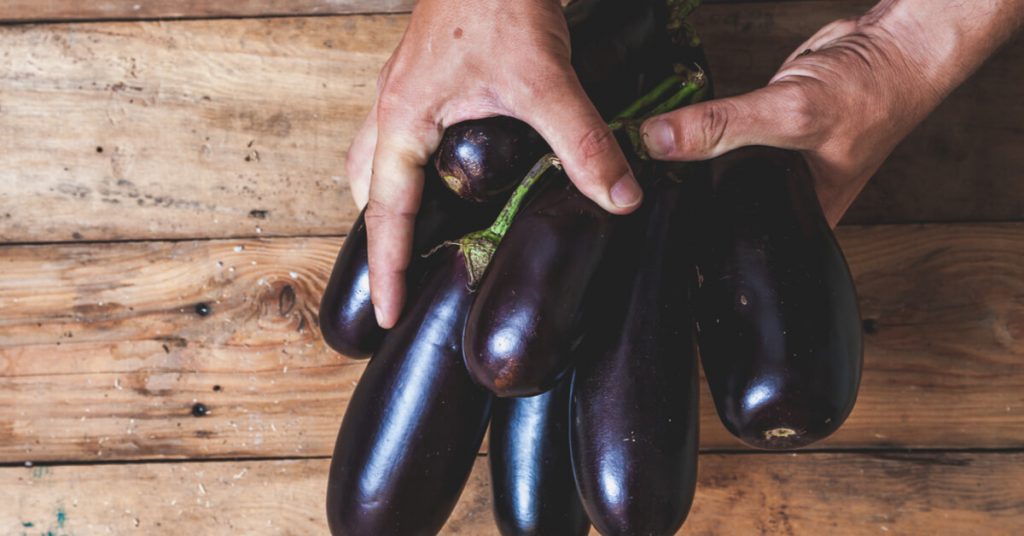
396, 187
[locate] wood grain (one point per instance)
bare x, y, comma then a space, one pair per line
235, 128
184, 129
70, 10
804, 494
103, 354
64, 10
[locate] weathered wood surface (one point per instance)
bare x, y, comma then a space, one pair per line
805, 494
183, 129
68, 10
103, 354
233, 128
57, 10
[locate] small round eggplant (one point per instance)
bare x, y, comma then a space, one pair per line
526, 318
482, 159
778, 320
415, 422
531, 473
634, 418
347, 320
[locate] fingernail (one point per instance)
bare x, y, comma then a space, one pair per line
626, 192
377, 313
659, 137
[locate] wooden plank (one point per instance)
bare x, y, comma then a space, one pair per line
963, 163
926, 493
65, 10
233, 128
103, 355
69, 10
185, 129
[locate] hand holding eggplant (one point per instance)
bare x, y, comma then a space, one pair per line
444, 72
849, 94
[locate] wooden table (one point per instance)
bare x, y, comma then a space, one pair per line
172, 196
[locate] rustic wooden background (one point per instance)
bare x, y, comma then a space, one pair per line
156, 155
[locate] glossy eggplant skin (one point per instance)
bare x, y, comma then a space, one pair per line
531, 473
778, 320
347, 320
415, 422
527, 315
634, 418
481, 159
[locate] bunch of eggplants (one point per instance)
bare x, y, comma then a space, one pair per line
574, 333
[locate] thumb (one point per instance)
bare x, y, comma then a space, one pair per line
591, 156
776, 116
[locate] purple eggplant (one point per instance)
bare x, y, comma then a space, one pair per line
777, 317
482, 159
416, 419
347, 320
525, 320
415, 422
531, 473
634, 418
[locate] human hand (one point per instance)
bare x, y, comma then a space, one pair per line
849, 94
461, 60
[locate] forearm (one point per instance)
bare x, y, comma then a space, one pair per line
945, 41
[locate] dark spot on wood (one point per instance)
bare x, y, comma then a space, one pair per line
177, 342
217, 388
167, 349
76, 235
203, 309
206, 98
203, 434
200, 410
870, 326
279, 125
286, 300
99, 149
259, 214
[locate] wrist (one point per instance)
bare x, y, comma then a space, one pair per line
943, 42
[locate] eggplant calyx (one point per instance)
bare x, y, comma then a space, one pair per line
477, 249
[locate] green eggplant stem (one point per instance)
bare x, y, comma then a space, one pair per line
647, 100
479, 246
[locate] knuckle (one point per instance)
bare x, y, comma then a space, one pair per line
380, 212
713, 124
802, 115
596, 142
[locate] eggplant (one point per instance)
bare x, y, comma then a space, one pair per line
777, 314
415, 422
525, 320
481, 159
531, 473
347, 320
634, 418
416, 419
